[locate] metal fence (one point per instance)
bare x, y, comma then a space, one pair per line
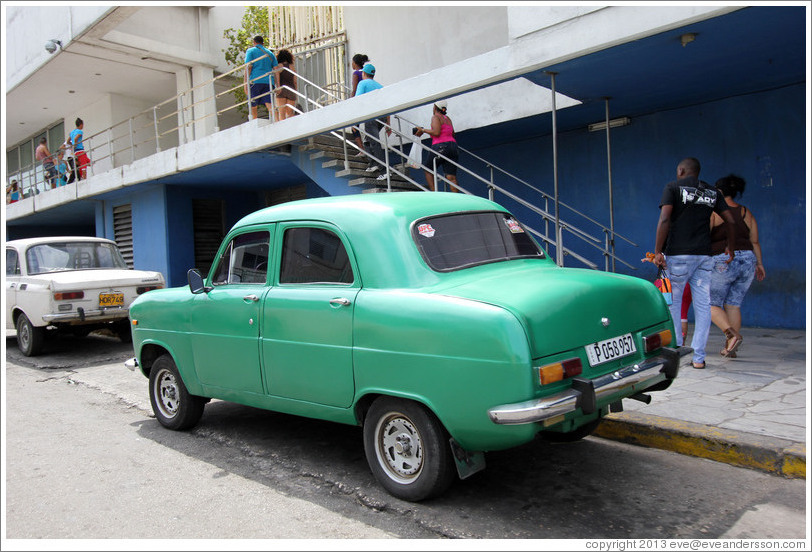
193, 114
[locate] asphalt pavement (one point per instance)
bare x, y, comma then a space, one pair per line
749, 411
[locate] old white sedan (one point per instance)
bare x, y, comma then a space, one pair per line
78, 284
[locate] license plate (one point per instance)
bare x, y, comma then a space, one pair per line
111, 299
610, 349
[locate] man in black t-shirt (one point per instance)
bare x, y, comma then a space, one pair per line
683, 236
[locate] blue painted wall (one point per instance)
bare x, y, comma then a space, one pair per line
149, 230
760, 136
179, 227
180, 230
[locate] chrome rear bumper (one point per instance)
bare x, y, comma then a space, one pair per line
586, 394
88, 315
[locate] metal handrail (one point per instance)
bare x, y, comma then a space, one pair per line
393, 169
181, 108
528, 185
155, 127
547, 217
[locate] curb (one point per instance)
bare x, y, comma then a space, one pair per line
769, 454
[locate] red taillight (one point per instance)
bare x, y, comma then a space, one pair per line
557, 371
572, 367
655, 341
68, 295
143, 289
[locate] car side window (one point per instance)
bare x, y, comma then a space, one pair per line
314, 256
244, 261
12, 263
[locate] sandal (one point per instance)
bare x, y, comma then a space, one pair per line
698, 365
734, 341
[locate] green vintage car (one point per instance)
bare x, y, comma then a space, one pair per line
433, 320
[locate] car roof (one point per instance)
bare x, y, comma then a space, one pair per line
378, 229
381, 207
27, 242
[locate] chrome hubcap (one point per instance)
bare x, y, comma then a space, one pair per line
25, 335
167, 394
400, 449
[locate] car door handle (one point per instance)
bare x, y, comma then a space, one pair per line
342, 301
250, 298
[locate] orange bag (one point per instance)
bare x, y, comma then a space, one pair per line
663, 283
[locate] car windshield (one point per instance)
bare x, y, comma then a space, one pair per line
61, 256
452, 242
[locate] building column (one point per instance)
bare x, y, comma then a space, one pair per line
205, 107
183, 79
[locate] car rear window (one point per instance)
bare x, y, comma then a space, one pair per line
59, 257
452, 242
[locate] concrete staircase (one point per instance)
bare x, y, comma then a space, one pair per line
329, 150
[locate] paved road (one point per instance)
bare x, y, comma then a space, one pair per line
86, 459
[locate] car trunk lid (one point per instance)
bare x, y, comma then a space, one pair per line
99, 279
566, 308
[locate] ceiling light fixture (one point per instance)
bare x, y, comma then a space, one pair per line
687, 38
622, 121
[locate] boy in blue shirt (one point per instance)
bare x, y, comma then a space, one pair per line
372, 127
258, 78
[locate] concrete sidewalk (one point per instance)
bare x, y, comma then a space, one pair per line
747, 411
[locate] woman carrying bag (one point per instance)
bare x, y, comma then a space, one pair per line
443, 143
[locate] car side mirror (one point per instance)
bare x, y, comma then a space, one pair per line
195, 280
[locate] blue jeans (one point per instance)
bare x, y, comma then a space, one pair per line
696, 270
730, 282
373, 144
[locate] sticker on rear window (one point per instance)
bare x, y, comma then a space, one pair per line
514, 226
426, 230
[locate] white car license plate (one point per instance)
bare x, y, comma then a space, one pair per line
610, 349
111, 299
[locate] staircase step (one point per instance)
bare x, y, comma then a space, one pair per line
338, 152
361, 171
383, 190
327, 154
373, 181
325, 140
339, 163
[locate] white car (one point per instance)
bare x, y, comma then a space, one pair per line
72, 283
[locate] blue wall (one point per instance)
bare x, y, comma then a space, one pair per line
149, 231
180, 230
759, 136
179, 227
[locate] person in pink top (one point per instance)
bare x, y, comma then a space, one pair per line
442, 143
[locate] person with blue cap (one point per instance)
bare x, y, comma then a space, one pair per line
372, 127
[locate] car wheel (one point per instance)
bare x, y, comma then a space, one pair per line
407, 449
30, 339
572, 436
174, 407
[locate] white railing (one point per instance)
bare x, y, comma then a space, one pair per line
183, 118
394, 150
